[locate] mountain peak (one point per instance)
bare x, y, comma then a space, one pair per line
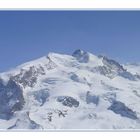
78, 51
81, 56
39, 93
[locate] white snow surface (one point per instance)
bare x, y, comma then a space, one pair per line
134, 68
69, 96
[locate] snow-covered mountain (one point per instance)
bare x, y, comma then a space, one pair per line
78, 91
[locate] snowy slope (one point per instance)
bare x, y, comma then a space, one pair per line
78, 91
134, 68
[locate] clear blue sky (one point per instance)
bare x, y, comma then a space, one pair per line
28, 35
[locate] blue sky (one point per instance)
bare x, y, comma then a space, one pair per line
27, 35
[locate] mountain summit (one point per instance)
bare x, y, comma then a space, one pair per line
78, 91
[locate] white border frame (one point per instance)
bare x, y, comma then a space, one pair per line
69, 4
101, 5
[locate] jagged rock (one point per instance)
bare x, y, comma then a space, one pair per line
50, 65
112, 68
11, 99
106, 71
77, 78
74, 77
41, 96
92, 99
28, 77
81, 56
112, 64
128, 75
68, 101
120, 108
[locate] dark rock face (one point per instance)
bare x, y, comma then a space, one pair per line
28, 77
112, 64
74, 77
81, 56
120, 108
51, 65
28, 123
112, 68
104, 71
11, 99
68, 101
42, 96
128, 75
92, 99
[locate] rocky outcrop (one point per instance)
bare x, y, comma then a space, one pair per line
41, 96
68, 101
112, 64
81, 56
120, 108
28, 123
11, 99
92, 99
28, 77
111, 68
